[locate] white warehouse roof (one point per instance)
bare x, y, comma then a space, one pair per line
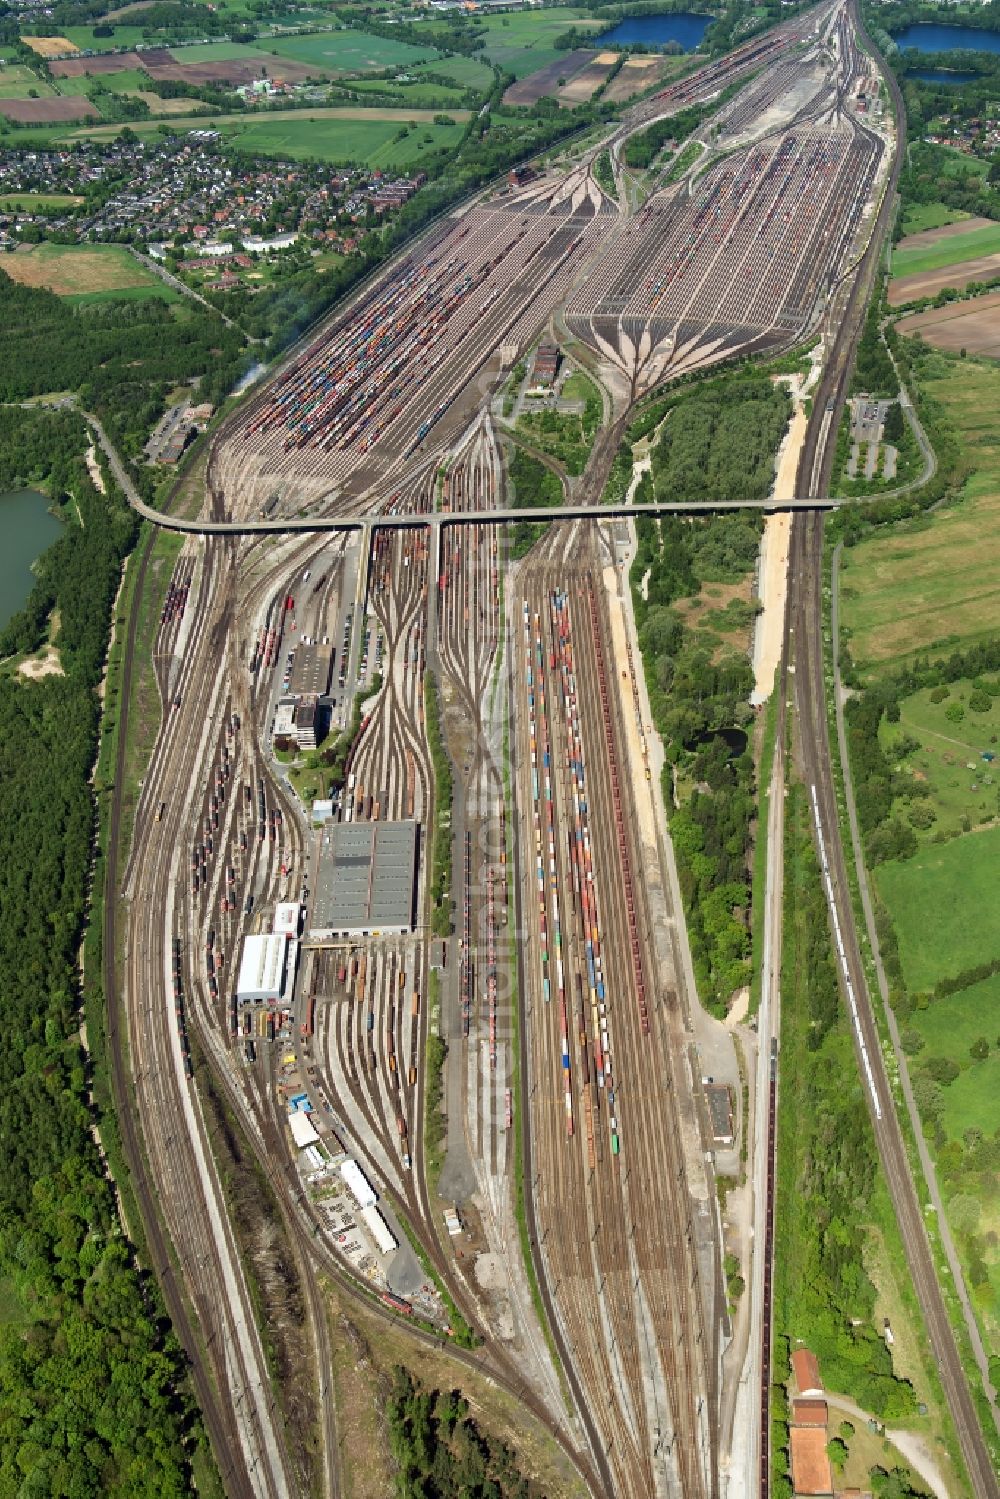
303, 1130
358, 1184
286, 918
262, 968
379, 1229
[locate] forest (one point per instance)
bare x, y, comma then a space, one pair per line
121, 357
694, 693
440, 1451
92, 1385
720, 441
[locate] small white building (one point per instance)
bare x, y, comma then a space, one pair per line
304, 1132
276, 242
357, 1184
286, 919
380, 1231
262, 970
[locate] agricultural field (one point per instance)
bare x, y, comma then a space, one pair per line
51, 111
106, 63
420, 95
342, 135
49, 46
944, 907
920, 216
16, 80
952, 255
964, 1122
464, 72
640, 73
347, 51
935, 581
952, 245
972, 325
952, 727
82, 271
36, 202
83, 38
544, 82
522, 43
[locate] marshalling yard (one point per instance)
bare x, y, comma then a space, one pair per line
292, 948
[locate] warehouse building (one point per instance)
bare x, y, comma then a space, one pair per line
262, 970
303, 1130
366, 880
311, 670
378, 1228
357, 1184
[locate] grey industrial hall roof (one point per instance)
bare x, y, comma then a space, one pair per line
366, 877
311, 669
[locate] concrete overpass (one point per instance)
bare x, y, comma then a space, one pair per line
411, 520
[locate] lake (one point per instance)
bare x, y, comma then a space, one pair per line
929, 38
657, 31
943, 75
27, 530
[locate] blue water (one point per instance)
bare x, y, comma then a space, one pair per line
943, 75
929, 38
656, 31
27, 528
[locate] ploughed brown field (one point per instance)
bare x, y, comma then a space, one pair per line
163, 64
580, 88
104, 62
637, 74
48, 111
973, 326
929, 283
924, 238
545, 83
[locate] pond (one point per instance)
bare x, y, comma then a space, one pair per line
943, 75
926, 37
656, 31
734, 739
27, 529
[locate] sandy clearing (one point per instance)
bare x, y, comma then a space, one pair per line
925, 237
49, 46
94, 469
606, 58
47, 664
929, 283
773, 566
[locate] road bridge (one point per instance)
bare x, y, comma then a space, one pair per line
412, 519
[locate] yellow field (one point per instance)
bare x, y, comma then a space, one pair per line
71, 270
158, 106
49, 46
